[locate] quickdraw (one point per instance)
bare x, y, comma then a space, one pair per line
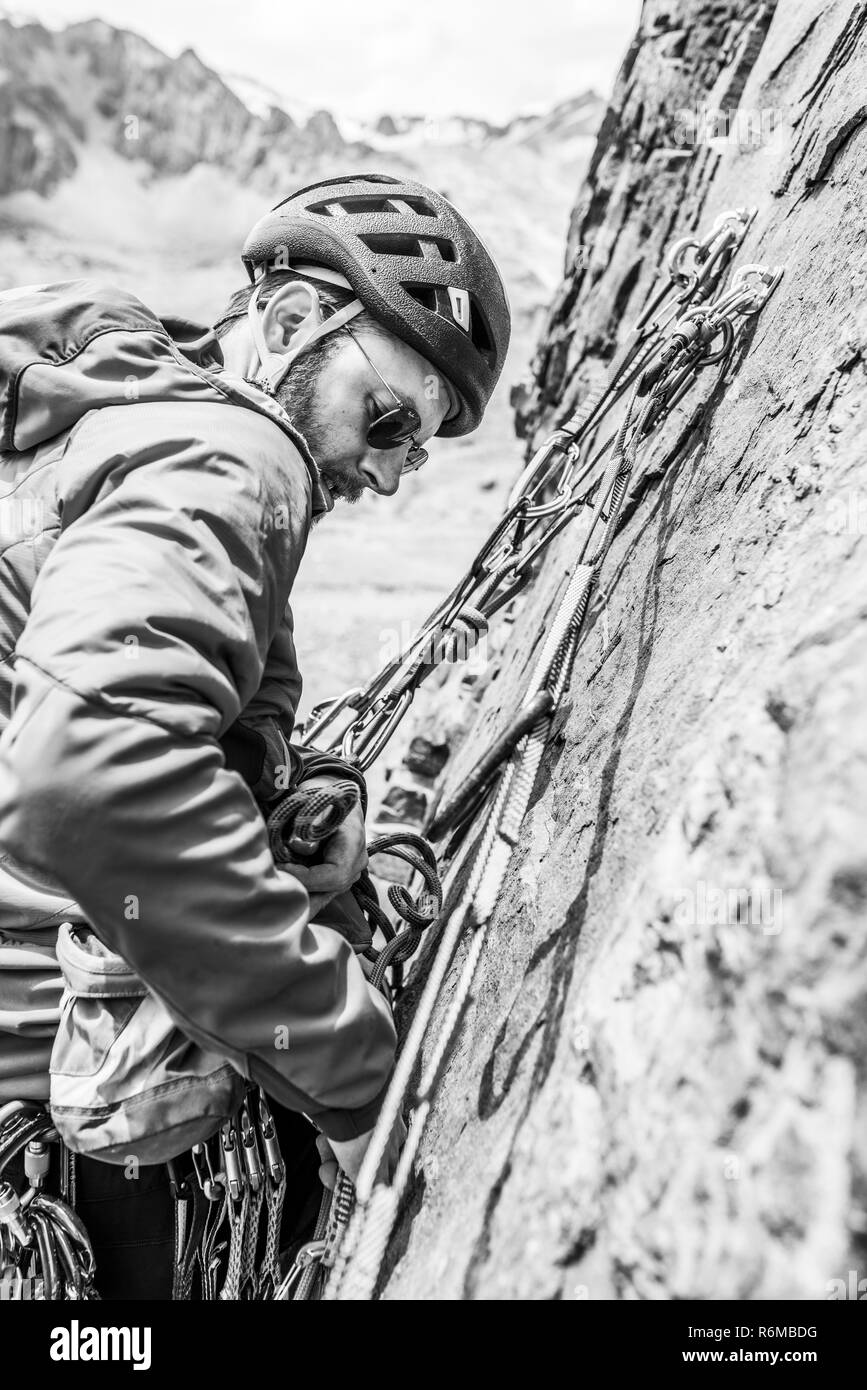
237, 1177
690, 323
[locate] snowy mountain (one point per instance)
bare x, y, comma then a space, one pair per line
91, 84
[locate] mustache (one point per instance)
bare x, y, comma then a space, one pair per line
342, 489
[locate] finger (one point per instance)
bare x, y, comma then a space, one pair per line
332, 878
346, 846
296, 869
325, 878
321, 878
328, 1174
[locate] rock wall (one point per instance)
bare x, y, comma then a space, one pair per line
658, 1089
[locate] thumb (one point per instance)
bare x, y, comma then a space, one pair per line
327, 1163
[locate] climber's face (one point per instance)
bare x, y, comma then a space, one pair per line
334, 395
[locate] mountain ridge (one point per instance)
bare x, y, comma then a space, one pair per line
94, 81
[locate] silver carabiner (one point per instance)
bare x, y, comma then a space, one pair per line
676, 255
326, 711
232, 1160
743, 215
770, 277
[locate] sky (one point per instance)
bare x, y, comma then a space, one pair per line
490, 58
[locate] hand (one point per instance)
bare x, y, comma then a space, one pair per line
343, 856
348, 1154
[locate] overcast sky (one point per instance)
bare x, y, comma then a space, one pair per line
363, 57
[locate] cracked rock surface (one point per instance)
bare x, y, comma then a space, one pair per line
658, 1088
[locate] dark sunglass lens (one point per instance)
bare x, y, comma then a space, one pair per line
414, 459
393, 428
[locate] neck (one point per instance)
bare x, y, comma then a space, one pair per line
239, 355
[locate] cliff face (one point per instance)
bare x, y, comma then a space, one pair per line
658, 1089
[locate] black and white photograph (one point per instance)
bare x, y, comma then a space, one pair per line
433, 687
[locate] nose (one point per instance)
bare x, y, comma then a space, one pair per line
381, 468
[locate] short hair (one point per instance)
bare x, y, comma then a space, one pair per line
331, 297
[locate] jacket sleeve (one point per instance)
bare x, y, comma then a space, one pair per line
149, 630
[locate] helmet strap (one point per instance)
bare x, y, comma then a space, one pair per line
275, 365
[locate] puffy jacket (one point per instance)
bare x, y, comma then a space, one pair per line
153, 515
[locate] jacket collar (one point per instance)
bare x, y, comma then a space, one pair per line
201, 350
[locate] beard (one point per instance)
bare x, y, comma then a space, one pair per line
299, 397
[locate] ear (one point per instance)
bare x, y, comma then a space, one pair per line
295, 306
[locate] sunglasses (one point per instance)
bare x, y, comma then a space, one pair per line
394, 427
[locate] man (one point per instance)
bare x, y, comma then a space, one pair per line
175, 478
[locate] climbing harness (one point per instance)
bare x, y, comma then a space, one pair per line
45, 1251
691, 322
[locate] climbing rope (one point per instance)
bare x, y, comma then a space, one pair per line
692, 322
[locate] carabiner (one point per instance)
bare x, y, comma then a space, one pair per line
725, 327
64, 1218
308, 1254
10, 1213
232, 1159
76, 1277
209, 1180
546, 451
676, 255
326, 711
250, 1150
770, 278
743, 215
364, 742
47, 1256
267, 1129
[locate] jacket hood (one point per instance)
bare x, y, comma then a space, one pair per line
76, 346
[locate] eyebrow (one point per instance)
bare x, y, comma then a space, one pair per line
387, 399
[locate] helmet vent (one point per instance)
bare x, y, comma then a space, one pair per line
394, 244
480, 333
419, 206
391, 244
436, 299
398, 207
425, 295
343, 207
